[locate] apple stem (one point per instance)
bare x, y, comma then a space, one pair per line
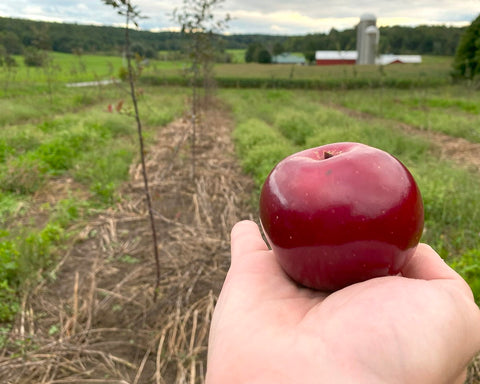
327, 155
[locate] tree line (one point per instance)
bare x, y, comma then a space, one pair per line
18, 34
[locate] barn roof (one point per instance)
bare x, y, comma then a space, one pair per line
288, 58
390, 58
336, 55
381, 60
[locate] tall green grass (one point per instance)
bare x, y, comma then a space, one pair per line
298, 120
263, 145
453, 110
93, 146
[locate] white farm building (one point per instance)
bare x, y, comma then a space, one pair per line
367, 49
350, 57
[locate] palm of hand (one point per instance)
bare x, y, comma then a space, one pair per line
267, 329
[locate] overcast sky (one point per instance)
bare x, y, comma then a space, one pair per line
283, 17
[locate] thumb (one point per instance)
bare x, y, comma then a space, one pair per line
246, 238
250, 253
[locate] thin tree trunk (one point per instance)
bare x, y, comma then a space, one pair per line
142, 157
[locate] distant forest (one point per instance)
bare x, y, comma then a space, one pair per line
16, 35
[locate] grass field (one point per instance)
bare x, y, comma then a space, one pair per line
70, 147
77, 276
339, 72
52, 135
61, 68
238, 55
453, 110
432, 72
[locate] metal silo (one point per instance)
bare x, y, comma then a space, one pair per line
366, 55
372, 36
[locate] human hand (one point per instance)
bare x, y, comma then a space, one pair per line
422, 327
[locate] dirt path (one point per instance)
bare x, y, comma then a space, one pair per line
96, 319
458, 150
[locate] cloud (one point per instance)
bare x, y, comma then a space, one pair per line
288, 22
340, 14
253, 16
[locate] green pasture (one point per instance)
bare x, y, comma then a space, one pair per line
338, 76
431, 72
339, 72
62, 68
238, 55
271, 124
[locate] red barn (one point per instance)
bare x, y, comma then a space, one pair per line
335, 57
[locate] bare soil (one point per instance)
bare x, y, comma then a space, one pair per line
95, 320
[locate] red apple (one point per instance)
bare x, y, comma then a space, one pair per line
340, 214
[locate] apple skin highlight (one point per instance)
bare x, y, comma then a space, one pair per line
340, 214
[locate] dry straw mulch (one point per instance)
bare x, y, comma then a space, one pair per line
96, 322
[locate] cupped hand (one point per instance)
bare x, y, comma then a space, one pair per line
421, 327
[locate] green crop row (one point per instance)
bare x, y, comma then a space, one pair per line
431, 73
301, 83
262, 145
294, 120
452, 110
90, 150
33, 153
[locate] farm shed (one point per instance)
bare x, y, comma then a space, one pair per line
335, 57
350, 57
402, 59
288, 58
